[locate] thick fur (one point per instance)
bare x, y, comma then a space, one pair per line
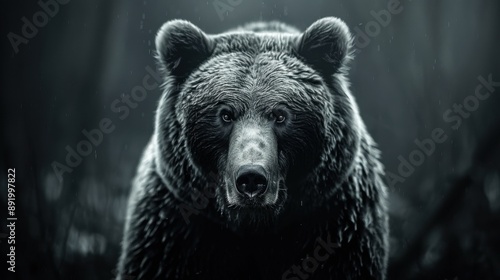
333, 188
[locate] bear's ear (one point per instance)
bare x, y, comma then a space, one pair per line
181, 47
326, 45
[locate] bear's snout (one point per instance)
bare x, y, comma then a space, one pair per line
252, 166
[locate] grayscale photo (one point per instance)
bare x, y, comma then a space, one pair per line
248, 140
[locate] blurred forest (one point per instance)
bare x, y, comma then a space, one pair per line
428, 59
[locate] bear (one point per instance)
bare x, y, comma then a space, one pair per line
259, 166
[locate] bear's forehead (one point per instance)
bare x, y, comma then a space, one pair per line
258, 54
250, 66
241, 65
256, 80
267, 72
245, 67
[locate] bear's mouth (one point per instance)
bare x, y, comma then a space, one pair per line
256, 212
253, 213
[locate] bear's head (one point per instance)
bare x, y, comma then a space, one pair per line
267, 115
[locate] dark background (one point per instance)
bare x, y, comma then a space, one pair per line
445, 216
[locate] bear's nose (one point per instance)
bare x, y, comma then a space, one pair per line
251, 180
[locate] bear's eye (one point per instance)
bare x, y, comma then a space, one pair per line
226, 117
278, 117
